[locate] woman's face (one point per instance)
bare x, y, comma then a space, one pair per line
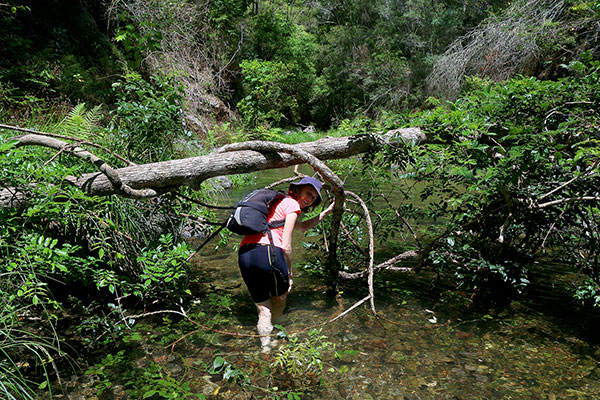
306, 196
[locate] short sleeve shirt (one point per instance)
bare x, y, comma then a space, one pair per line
281, 210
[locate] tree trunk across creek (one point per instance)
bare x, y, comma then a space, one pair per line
166, 175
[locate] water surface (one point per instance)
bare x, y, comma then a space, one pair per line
422, 344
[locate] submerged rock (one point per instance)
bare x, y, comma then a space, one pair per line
219, 183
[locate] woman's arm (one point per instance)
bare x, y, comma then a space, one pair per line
286, 245
305, 225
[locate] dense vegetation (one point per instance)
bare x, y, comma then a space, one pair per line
509, 173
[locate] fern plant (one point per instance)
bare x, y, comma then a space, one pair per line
82, 123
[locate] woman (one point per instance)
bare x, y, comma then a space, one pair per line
267, 270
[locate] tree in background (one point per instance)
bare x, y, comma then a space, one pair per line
530, 37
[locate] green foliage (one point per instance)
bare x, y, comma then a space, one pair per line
509, 167
147, 120
589, 291
302, 358
270, 92
279, 78
162, 268
150, 382
230, 372
135, 43
225, 15
66, 249
21, 350
51, 52
82, 123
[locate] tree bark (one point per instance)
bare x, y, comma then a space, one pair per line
193, 171
168, 175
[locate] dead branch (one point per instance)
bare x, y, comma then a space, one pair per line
567, 200
111, 174
57, 136
353, 241
203, 204
286, 180
358, 303
500, 47
13, 197
371, 248
167, 175
587, 173
404, 221
387, 265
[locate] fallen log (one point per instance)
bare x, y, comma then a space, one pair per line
168, 175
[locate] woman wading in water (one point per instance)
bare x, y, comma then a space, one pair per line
266, 269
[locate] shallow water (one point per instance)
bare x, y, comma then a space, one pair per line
419, 346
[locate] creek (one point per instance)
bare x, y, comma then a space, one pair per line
421, 345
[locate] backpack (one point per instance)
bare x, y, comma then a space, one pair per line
249, 215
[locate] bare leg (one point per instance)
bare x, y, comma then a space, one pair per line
264, 325
278, 305
268, 311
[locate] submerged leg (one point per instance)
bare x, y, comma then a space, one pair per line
264, 325
278, 305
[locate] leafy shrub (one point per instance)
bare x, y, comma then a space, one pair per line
271, 93
150, 382
302, 358
510, 167
147, 120
162, 268
64, 248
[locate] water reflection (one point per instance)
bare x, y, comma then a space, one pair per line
420, 346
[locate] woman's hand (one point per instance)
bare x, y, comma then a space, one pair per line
329, 209
291, 283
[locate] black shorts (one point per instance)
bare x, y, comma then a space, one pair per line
264, 271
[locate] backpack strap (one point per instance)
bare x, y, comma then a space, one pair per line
276, 224
279, 197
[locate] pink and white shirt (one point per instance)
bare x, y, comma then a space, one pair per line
286, 206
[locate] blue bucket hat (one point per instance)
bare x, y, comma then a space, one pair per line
315, 183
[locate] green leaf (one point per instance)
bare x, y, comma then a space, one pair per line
149, 393
8, 145
218, 363
229, 373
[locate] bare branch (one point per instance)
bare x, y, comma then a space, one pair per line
568, 200
498, 48
387, 265
78, 140
586, 173
109, 172
404, 221
352, 240
200, 203
371, 248
358, 303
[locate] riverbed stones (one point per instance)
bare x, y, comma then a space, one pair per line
219, 183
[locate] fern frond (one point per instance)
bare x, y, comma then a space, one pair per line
82, 123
